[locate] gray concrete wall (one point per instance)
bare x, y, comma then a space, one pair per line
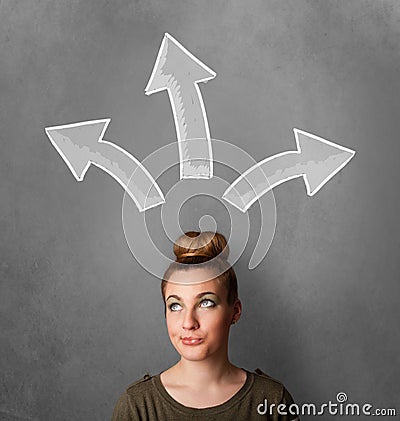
80, 318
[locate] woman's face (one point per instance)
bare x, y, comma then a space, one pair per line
198, 315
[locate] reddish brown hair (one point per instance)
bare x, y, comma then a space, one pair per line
208, 248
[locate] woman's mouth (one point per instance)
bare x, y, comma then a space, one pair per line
191, 341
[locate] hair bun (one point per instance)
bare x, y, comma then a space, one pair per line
206, 244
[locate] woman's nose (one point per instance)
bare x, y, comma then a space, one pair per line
190, 321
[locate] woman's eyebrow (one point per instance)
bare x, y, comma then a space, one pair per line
205, 293
173, 296
197, 296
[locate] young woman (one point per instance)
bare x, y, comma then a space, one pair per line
201, 303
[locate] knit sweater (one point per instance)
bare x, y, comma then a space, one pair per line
258, 399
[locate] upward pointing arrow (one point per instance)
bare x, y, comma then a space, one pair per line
82, 144
179, 72
316, 159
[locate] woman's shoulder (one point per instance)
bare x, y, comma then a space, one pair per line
263, 377
272, 386
133, 401
140, 385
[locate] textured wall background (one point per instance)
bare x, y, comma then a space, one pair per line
80, 319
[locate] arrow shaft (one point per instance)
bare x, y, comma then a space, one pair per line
129, 173
263, 177
188, 108
192, 129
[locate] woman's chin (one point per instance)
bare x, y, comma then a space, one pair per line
191, 353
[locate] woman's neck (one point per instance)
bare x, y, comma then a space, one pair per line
200, 374
197, 384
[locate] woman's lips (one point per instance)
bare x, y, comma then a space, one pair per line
191, 341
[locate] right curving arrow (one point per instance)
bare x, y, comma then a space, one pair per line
316, 160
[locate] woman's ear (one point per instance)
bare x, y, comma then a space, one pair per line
237, 311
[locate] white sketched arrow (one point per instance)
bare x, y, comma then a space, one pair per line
82, 144
316, 160
179, 72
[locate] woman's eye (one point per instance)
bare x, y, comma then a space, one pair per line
175, 307
207, 303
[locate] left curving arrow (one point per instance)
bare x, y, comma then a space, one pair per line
82, 144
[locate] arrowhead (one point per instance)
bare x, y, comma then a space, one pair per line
175, 64
321, 159
75, 142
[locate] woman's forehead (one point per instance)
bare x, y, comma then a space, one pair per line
193, 281
192, 276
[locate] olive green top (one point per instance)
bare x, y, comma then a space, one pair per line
259, 397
